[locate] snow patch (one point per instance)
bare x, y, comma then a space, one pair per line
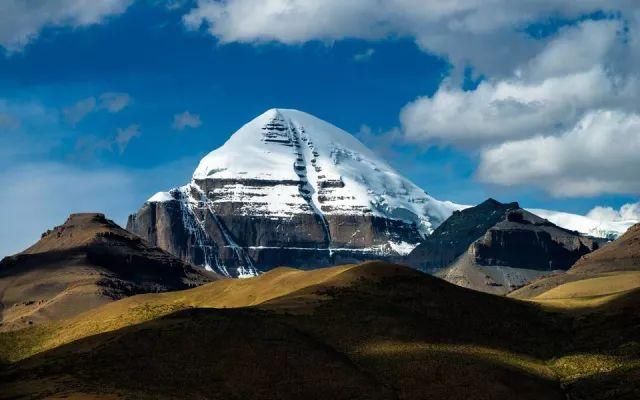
161, 197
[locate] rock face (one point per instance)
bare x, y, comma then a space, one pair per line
289, 189
613, 268
87, 261
456, 233
497, 248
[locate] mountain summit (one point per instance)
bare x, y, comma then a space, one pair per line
289, 188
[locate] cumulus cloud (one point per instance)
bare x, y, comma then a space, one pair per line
627, 212
600, 154
364, 55
508, 109
550, 93
109, 101
564, 121
22, 21
485, 34
186, 120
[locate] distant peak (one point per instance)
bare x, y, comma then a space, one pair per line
493, 203
84, 218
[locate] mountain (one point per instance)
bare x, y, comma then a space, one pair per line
87, 261
289, 189
497, 247
452, 238
366, 331
609, 271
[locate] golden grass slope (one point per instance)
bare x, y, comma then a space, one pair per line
366, 331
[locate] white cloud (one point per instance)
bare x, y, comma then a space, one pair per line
628, 212
364, 55
110, 101
598, 155
186, 120
576, 48
125, 135
507, 109
564, 121
76, 112
548, 94
114, 102
486, 34
21, 21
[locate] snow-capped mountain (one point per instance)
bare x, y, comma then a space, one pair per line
289, 188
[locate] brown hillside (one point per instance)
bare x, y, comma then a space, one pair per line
87, 261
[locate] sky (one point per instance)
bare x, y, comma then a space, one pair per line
102, 104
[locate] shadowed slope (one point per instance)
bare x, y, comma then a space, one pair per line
352, 332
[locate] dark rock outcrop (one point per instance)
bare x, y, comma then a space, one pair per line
220, 237
497, 248
620, 258
456, 233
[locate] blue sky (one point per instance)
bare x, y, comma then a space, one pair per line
87, 103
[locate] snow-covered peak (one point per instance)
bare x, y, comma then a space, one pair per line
334, 171
262, 148
160, 197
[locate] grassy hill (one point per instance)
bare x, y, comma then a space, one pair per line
363, 331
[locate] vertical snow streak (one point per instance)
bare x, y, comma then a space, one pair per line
308, 191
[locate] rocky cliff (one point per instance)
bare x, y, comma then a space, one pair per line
497, 247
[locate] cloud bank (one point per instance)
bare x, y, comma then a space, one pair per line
22, 21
